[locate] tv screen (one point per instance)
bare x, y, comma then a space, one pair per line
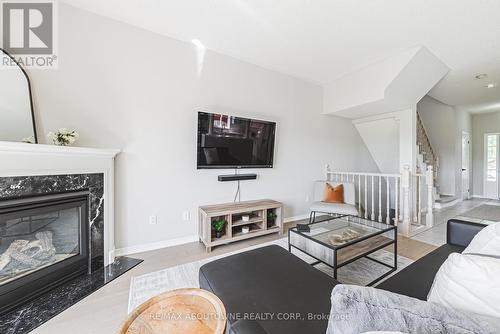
234, 142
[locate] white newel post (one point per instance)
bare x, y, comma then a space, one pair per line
405, 183
429, 181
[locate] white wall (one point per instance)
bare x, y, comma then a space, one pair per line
390, 139
381, 137
124, 87
481, 124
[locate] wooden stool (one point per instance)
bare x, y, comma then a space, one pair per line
182, 311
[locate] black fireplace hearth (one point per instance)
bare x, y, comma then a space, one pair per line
44, 242
57, 245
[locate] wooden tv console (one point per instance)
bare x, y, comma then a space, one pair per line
232, 213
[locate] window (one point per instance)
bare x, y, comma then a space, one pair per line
492, 158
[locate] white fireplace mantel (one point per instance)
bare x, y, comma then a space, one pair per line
20, 159
54, 149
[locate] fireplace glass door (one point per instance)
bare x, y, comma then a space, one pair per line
31, 242
42, 239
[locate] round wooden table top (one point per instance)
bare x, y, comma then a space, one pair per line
182, 311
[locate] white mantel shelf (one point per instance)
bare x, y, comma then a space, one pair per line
54, 149
21, 159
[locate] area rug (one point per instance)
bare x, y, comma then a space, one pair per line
489, 212
360, 272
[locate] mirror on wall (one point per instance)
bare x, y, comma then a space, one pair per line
17, 122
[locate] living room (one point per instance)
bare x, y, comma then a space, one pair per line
158, 154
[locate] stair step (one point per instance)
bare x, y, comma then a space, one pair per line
445, 199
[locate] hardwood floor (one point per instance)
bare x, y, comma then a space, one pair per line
437, 235
413, 249
103, 311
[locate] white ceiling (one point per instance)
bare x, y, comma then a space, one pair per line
322, 40
481, 108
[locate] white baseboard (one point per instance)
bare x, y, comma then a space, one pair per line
295, 218
178, 241
155, 245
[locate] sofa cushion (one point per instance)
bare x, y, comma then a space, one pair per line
486, 242
469, 283
360, 309
273, 287
416, 279
343, 209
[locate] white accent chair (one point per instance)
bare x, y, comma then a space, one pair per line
346, 208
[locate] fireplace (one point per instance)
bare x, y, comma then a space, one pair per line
44, 242
34, 174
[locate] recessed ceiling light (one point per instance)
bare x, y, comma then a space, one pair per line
481, 76
490, 85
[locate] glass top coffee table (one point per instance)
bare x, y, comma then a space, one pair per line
343, 240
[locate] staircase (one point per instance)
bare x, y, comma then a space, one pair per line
444, 201
426, 155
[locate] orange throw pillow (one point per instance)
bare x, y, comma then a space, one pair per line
334, 195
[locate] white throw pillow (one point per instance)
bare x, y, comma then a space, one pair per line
486, 242
470, 283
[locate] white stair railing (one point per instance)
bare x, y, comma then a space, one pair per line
400, 199
425, 148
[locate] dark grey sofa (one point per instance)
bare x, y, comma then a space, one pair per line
416, 280
269, 290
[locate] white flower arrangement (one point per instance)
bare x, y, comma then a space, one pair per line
28, 140
63, 137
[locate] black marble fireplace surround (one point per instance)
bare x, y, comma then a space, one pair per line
23, 186
39, 309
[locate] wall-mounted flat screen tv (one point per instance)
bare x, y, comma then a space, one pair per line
234, 142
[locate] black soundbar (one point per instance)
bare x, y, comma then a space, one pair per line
237, 177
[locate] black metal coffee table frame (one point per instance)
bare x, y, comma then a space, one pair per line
366, 254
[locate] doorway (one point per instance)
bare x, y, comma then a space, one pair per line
491, 165
465, 165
